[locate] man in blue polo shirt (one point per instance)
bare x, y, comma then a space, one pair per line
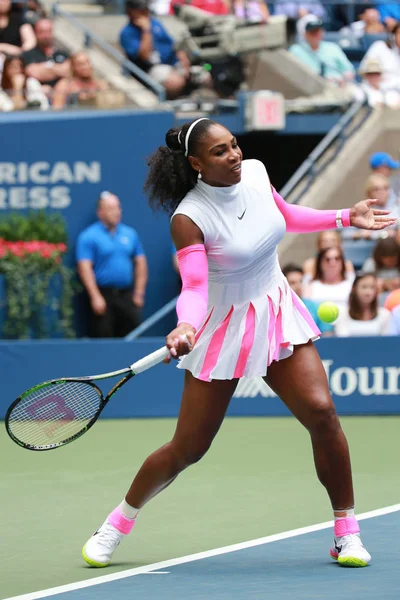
147, 44
113, 269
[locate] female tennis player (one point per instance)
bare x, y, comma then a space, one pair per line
240, 319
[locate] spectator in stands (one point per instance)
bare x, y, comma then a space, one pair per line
394, 323
390, 14
296, 9
253, 11
82, 87
19, 91
385, 263
16, 35
113, 269
346, 14
46, 62
329, 283
383, 163
372, 89
326, 239
388, 54
147, 44
326, 59
295, 277
362, 316
377, 186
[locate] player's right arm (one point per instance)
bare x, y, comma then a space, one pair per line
191, 307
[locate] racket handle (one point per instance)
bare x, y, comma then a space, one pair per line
150, 361
153, 359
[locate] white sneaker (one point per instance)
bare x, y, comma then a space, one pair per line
349, 551
99, 549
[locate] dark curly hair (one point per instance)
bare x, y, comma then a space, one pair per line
171, 175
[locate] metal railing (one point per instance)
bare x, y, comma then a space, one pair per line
90, 37
157, 316
314, 165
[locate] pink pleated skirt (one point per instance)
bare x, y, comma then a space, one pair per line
242, 340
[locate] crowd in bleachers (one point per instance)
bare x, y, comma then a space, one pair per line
356, 269
351, 46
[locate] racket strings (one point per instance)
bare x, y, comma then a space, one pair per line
53, 413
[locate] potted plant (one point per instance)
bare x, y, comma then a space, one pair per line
37, 287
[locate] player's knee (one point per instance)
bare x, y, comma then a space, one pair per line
323, 420
191, 452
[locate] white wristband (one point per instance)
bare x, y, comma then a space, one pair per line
339, 222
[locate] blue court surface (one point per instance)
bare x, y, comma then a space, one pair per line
294, 565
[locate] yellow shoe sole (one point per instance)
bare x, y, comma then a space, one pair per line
91, 562
350, 561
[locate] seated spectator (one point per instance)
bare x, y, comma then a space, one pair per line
385, 263
46, 63
383, 163
147, 44
389, 13
295, 277
326, 59
326, 239
16, 35
113, 269
253, 11
394, 323
18, 90
378, 187
346, 14
82, 87
329, 283
296, 9
388, 54
362, 316
372, 89
369, 22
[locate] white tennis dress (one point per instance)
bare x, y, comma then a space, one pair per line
253, 316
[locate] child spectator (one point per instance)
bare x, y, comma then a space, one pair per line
362, 316
385, 262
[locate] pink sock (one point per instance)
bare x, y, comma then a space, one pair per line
346, 526
120, 522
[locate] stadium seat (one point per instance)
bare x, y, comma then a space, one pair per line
370, 38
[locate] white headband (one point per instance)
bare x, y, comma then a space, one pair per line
190, 131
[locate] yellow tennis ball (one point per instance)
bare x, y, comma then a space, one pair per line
328, 312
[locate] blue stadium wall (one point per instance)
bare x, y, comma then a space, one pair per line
363, 374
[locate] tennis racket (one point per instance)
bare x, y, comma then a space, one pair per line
57, 412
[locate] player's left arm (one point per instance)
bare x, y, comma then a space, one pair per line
303, 219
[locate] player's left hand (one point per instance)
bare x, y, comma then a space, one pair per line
364, 216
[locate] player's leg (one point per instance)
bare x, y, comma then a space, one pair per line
301, 383
202, 411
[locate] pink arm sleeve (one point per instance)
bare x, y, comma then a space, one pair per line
302, 219
191, 307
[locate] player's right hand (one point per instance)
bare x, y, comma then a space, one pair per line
98, 304
180, 341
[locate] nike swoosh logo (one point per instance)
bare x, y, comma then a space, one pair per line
241, 217
338, 549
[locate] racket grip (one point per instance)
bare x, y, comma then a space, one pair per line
150, 361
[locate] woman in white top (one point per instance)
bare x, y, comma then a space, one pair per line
388, 54
329, 238
330, 283
17, 91
363, 317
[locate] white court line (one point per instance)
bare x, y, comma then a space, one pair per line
79, 585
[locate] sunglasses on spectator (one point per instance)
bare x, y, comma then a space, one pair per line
379, 188
332, 258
